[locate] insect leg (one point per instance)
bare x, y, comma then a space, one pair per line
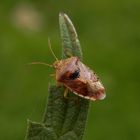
66, 93
75, 100
53, 74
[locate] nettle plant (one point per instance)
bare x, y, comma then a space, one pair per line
67, 106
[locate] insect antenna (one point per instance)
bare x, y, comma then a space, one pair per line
40, 63
49, 44
43, 63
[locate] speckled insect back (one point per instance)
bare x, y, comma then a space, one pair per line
79, 79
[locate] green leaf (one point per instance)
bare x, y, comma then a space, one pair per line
38, 131
64, 119
70, 42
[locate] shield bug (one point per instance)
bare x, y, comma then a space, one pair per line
77, 77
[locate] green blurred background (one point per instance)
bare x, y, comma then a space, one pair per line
109, 32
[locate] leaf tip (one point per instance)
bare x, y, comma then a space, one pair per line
61, 14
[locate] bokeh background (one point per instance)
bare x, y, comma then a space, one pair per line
109, 32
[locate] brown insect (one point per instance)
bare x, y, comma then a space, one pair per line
78, 78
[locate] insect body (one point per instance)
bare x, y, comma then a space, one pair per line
78, 78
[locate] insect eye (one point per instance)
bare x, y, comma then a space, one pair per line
75, 75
